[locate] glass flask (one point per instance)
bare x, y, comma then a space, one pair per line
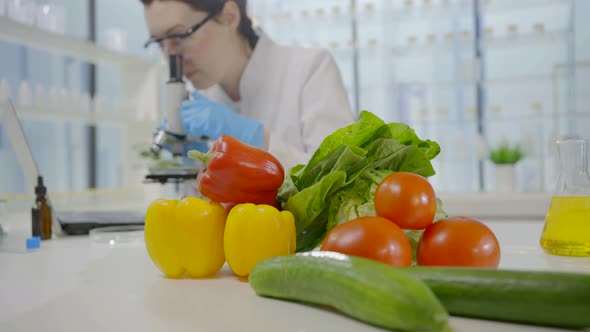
567, 226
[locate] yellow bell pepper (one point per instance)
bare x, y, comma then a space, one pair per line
185, 237
256, 232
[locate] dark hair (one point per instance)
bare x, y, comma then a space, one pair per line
246, 29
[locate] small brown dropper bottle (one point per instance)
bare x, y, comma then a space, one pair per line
41, 212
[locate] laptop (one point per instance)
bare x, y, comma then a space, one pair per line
68, 222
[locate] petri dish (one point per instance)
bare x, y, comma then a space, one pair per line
118, 236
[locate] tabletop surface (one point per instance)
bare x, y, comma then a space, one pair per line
91, 284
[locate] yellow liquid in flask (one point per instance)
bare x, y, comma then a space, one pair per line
567, 227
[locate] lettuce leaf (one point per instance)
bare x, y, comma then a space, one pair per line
357, 134
345, 158
308, 204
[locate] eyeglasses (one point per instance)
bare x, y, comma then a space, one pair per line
177, 40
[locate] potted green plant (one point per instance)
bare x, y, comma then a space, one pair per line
505, 157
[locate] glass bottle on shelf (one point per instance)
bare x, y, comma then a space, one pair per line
40, 100
5, 92
408, 4
25, 95
336, 10
567, 226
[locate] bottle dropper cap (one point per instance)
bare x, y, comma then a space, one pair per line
40, 189
33, 242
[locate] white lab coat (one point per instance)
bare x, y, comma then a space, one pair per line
296, 93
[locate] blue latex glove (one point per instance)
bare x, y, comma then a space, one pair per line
203, 117
201, 146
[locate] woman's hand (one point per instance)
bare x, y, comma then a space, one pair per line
203, 117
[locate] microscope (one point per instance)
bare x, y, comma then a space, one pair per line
172, 137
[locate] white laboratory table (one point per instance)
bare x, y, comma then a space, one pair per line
77, 284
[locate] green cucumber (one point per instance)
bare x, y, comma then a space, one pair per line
541, 298
363, 289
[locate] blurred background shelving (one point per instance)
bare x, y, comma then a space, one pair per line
86, 91
466, 73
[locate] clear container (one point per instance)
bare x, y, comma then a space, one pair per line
50, 16
118, 236
21, 10
5, 92
116, 39
567, 226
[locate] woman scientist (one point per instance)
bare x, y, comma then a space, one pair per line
282, 98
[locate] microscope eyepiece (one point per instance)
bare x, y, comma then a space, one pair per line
175, 67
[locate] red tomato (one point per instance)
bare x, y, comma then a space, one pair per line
407, 199
371, 237
458, 241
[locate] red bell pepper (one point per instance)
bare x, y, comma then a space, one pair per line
237, 173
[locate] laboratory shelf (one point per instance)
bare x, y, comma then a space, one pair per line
496, 118
466, 43
410, 12
444, 122
431, 49
120, 117
535, 117
34, 37
488, 83
31, 114
526, 39
413, 11
503, 6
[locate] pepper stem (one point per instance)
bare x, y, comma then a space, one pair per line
203, 157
